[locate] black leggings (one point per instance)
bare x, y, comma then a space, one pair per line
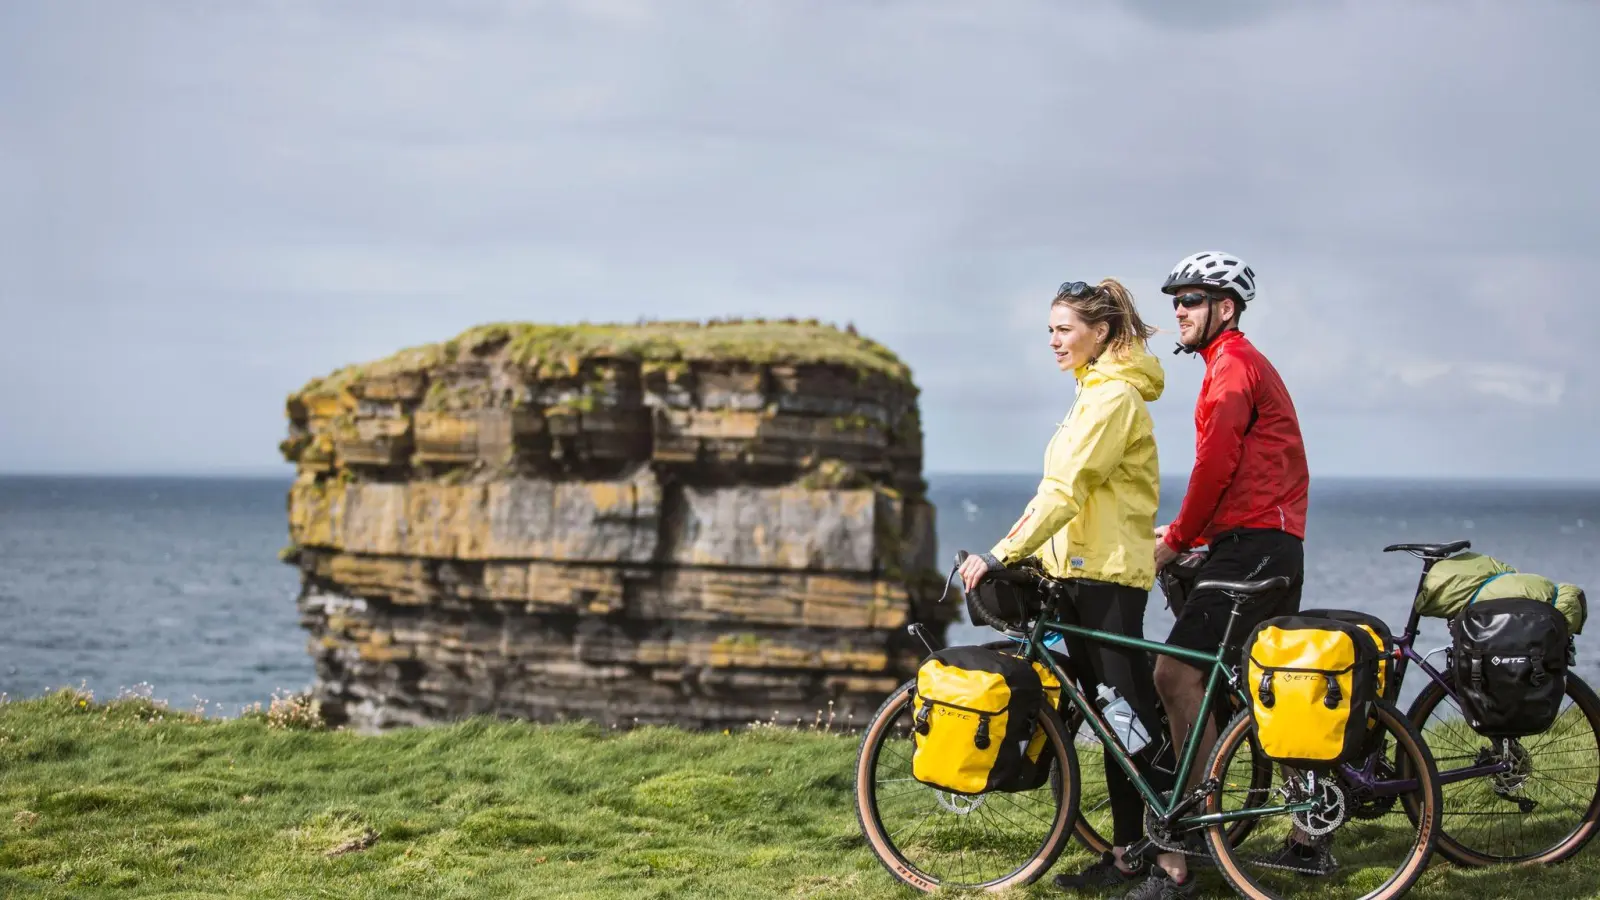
1104, 606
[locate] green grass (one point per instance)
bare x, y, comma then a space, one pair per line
128, 799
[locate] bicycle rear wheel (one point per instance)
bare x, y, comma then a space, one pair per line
932, 839
1543, 810
1380, 852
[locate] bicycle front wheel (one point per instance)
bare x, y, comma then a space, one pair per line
1542, 809
1354, 843
932, 839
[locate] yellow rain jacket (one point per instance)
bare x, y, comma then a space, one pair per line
1094, 514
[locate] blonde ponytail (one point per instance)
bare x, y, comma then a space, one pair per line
1112, 303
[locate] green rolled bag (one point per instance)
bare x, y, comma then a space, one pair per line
1462, 579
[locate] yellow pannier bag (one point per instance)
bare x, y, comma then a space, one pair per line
1312, 682
1034, 770
1382, 638
975, 711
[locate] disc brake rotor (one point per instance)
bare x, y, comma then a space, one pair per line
959, 804
1521, 767
1329, 813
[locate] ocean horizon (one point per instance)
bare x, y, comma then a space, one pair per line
253, 474
170, 585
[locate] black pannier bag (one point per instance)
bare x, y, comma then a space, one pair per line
1509, 661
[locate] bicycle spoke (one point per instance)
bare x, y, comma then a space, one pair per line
955, 840
1370, 851
1538, 802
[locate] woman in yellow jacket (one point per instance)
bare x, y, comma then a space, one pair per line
1093, 521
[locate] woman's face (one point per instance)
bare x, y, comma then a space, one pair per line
1073, 341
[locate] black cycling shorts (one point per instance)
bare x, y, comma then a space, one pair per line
1245, 554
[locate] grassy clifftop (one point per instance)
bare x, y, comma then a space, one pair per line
129, 799
556, 350
124, 797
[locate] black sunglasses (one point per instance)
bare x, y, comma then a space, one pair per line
1076, 289
1190, 300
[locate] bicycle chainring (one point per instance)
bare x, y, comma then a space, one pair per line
1161, 836
1367, 807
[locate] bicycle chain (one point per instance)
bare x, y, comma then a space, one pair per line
1333, 866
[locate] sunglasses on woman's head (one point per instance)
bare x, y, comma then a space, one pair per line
1076, 289
1189, 300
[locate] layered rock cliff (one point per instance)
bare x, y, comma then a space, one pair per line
700, 524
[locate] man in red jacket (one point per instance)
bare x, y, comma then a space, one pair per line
1246, 498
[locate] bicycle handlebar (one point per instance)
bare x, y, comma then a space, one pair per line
1024, 577
1033, 578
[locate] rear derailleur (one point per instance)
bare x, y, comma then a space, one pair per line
1508, 784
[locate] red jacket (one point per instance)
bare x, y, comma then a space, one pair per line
1245, 475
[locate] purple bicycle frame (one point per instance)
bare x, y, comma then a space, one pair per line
1365, 776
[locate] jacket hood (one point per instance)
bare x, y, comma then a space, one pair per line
1134, 365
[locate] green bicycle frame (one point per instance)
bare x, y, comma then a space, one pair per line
1219, 676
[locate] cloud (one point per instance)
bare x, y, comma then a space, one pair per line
1525, 386
1462, 383
302, 185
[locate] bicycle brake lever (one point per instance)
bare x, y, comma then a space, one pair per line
949, 582
916, 631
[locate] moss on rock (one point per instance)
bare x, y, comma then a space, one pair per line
559, 351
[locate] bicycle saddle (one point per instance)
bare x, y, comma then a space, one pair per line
1431, 551
1276, 583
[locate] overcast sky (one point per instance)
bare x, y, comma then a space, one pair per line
203, 205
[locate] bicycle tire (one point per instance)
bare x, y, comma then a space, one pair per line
1408, 742
1458, 850
1064, 778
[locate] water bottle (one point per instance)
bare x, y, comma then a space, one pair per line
1127, 727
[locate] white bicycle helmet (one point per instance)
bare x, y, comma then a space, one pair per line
1213, 268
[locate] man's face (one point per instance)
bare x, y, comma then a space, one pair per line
1194, 313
